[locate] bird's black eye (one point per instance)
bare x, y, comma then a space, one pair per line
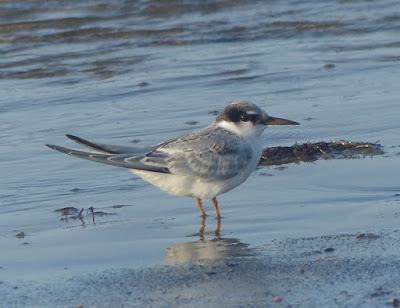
244, 117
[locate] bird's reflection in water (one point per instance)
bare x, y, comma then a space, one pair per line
205, 251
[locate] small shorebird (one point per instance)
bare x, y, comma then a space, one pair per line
202, 164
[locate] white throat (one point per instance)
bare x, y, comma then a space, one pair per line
243, 129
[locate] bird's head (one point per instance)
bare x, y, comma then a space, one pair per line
247, 119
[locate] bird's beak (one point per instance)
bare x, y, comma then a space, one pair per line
278, 121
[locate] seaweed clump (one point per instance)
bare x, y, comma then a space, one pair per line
309, 152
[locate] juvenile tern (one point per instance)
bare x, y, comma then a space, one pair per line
202, 164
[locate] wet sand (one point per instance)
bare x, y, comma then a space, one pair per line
348, 270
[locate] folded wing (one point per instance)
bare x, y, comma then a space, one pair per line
131, 161
210, 154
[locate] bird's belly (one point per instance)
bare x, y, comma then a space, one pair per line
180, 185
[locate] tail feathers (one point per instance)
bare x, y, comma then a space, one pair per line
91, 145
108, 148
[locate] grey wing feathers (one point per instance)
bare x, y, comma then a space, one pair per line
212, 153
131, 161
108, 148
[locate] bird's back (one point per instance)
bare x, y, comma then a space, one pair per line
211, 153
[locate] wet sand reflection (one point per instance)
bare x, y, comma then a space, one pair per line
210, 247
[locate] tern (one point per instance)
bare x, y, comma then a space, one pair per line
203, 164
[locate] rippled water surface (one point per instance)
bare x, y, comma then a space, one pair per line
139, 72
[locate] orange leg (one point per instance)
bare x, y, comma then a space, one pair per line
202, 228
216, 208
217, 232
199, 204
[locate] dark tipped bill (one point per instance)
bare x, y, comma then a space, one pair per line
279, 121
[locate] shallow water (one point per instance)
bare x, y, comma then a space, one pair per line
141, 72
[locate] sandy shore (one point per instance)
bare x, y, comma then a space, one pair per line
350, 270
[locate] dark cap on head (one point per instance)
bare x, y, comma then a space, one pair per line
242, 111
